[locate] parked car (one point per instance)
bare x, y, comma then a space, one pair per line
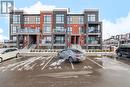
7, 53
123, 50
73, 55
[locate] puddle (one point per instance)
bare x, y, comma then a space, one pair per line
114, 64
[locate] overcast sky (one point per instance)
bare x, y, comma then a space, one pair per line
115, 14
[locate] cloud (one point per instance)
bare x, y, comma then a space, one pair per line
120, 26
1, 30
37, 7
2, 37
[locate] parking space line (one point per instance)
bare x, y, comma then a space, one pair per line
25, 63
72, 65
47, 62
95, 62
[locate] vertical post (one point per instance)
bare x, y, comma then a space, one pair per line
28, 41
38, 38
74, 39
17, 41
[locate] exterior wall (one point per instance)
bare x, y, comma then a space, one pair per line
120, 39
79, 35
55, 25
44, 34
93, 35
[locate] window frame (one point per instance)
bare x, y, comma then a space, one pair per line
16, 19
60, 18
91, 17
46, 29
47, 19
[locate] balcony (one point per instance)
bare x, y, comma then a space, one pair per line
56, 31
28, 31
94, 43
94, 32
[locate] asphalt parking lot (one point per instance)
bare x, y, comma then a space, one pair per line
50, 71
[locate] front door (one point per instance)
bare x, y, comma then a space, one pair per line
74, 39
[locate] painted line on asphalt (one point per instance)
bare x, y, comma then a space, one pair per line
95, 62
44, 60
47, 62
72, 65
25, 63
57, 63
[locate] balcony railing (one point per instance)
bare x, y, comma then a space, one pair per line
94, 42
28, 31
95, 31
59, 31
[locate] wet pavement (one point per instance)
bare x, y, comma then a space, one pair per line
53, 72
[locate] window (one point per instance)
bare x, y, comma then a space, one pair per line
91, 29
82, 30
94, 29
26, 20
47, 40
81, 20
59, 29
14, 29
37, 20
93, 40
69, 30
59, 39
47, 18
16, 19
14, 38
69, 20
91, 17
47, 29
59, 18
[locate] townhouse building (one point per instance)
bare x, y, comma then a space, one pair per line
118, 40
56, 29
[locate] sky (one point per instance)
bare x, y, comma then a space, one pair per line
115, 14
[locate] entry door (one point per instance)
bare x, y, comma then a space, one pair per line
77, 39
72, 39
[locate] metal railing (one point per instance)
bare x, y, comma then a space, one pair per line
59, 31
28, 31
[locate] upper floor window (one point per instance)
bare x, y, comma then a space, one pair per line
16, 19
94, 29
37, 20
91, 17
82, 30
26, 20
47, 29
14, 29
47, 18
81, 20
69, 20
59, 18
69, 30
